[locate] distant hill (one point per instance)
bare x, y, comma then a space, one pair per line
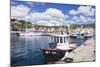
84, 25
19, 25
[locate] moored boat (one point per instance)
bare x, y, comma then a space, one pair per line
59, 46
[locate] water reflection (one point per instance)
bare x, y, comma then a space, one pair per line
26, 50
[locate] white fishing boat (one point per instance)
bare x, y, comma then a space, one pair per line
59, 46
82, 35
79, 33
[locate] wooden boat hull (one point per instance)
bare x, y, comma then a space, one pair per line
53, 55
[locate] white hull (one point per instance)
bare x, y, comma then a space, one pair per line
65, 46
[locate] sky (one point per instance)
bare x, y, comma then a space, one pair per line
52, 13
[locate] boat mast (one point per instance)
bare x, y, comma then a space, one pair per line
68, 25
26, 23
62, 25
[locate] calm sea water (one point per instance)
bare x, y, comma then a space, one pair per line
26, 50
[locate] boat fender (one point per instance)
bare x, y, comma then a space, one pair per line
68, 60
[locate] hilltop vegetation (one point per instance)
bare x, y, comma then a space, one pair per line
19, 25
84, 26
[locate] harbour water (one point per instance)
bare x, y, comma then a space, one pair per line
26, 50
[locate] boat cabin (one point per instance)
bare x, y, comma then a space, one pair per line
59, 38
59, 41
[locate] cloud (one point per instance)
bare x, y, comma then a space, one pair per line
73, 12
87, 20
83, 15
70, 22
43, 22
76, 19
36, 16
85, 10
83, 19
19, 11
32, 4
54, 12
51, 15
92, 20
66, 16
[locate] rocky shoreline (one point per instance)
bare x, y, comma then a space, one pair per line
83, 53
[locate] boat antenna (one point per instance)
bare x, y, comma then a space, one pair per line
62, 25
